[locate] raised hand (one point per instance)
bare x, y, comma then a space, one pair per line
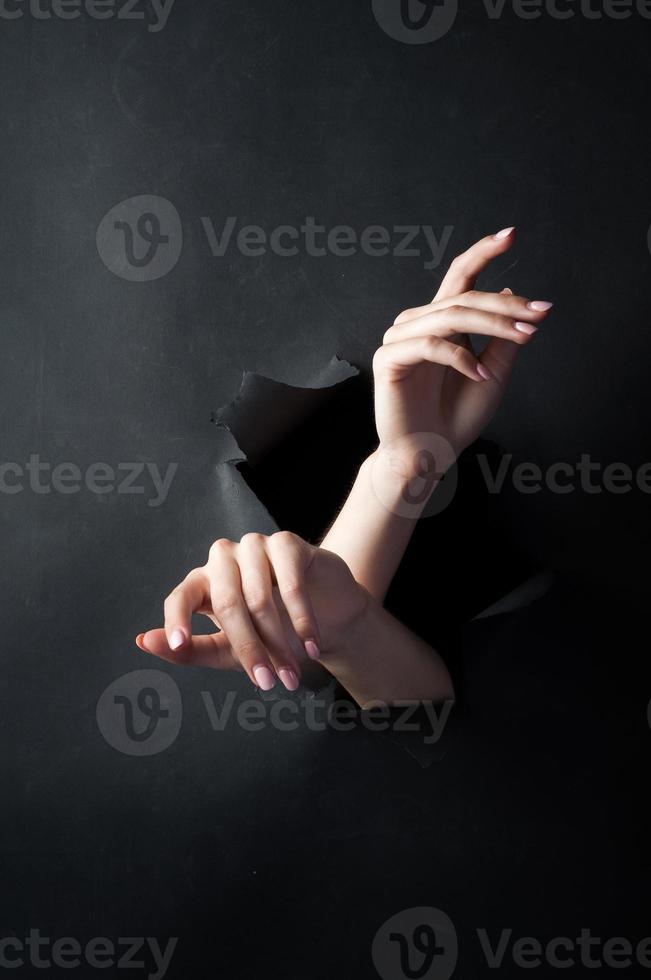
427, 377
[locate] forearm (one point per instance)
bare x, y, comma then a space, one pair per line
379, 659
372, 529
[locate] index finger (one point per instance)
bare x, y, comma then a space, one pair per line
187, 598
464, 269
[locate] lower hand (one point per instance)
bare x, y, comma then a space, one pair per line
276, 601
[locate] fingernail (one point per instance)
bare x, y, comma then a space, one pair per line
525, 327
140, 642
504, 233
540, 305
177, 639
265, 679
312, 650
289, 679
483, 372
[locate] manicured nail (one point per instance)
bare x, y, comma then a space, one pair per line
540, 305
483, 372
140, 642
504, 233
265, 679
177, 639
289, 679
525, 327
312, 650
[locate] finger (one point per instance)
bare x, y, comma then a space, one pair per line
500, 356
398, 359
506, 304
212, 650
290, 558
465, 268
232, 614
257, 589
181, 603
461, 319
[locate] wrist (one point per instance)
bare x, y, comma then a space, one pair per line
404, 474
341, 649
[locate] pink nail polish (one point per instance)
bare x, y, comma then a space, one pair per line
503, 234
484, 373
525, 327
540, 305
177, 639
264, 678
289, 679
312, 650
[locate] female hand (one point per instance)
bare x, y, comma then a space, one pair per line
427, 378
275, 600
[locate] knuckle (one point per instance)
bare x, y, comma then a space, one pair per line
459, 355
285, 539
303, 626
250, 649
388, 335
291, 588
379, 359
252, 538
226, 602
171, 598
258, 601
221, 546
402, 316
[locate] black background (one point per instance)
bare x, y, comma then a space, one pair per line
272, 854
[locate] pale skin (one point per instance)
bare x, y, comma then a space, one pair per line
278, 600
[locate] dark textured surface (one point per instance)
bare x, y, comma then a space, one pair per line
275, 853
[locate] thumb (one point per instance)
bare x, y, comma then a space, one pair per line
212, 650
